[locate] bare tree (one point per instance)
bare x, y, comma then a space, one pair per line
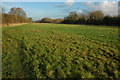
96, 15
18, 11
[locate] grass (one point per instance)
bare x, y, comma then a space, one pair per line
60, 51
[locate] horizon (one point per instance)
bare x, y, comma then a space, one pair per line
58, 10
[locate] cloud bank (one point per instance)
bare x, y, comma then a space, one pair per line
107, 7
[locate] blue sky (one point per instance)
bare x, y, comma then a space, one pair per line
44, 9
39, 10
54, 0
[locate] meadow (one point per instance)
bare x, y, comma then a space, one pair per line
43, 50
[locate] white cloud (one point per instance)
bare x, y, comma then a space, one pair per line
107, 7
79, 11
69, 2
88, 2
114, 2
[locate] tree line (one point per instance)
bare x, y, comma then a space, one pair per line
16, 15
49, 20
92, 18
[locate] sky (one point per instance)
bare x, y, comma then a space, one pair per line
54, 0
54, 10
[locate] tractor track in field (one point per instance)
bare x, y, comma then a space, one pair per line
18, 65
26, 68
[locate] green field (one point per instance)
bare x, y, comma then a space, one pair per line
60, 51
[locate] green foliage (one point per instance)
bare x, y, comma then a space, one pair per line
60, 51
